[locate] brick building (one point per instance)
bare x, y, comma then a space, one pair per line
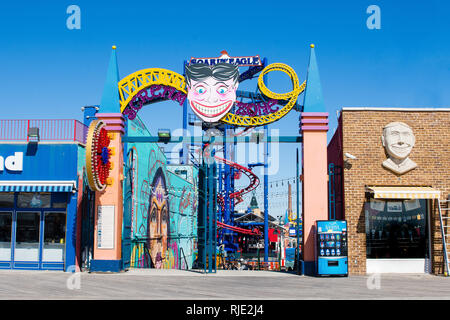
391, 208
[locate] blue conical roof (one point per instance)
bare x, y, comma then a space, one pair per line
110, 98
313, 98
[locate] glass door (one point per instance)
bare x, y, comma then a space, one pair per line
26, 250
54, 239
5, 238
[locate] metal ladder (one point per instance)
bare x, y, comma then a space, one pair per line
444, 216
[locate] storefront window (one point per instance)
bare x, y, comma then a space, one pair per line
5, 236
396, 228
34, 200
6, 200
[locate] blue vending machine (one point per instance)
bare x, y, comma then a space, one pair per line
331, 248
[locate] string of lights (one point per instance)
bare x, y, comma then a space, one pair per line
278, 196
281, 182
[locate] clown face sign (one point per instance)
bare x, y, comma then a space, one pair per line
212, 89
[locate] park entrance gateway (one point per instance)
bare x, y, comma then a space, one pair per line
179, 221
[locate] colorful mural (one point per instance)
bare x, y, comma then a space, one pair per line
183, 214
164, 207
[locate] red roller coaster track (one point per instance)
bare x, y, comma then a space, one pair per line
237, 229
237, 195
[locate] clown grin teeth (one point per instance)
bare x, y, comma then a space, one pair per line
211, 111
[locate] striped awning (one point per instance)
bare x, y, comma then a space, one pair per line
37, 186
404, 192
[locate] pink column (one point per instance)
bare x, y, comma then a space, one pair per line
109, 259
315, 180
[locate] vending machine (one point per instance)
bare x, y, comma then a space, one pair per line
331, 248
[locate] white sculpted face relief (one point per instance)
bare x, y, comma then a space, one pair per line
398, 140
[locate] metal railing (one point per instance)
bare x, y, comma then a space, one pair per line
49, 130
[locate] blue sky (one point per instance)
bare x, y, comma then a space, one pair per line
49, 71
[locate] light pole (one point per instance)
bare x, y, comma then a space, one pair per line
279, 244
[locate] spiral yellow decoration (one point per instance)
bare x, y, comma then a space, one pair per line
292, 96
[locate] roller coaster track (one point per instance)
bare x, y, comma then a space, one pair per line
256, 97
291, 97
237, 195
133, 83
237, 229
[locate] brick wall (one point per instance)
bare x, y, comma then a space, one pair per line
361, 137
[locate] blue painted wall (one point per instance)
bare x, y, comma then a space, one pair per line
51, 162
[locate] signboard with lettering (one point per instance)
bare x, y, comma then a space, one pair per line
105, 227
46, 162
225, 58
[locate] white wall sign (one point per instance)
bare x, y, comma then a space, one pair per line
394, 206
412, 204
105, 227
377, 205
